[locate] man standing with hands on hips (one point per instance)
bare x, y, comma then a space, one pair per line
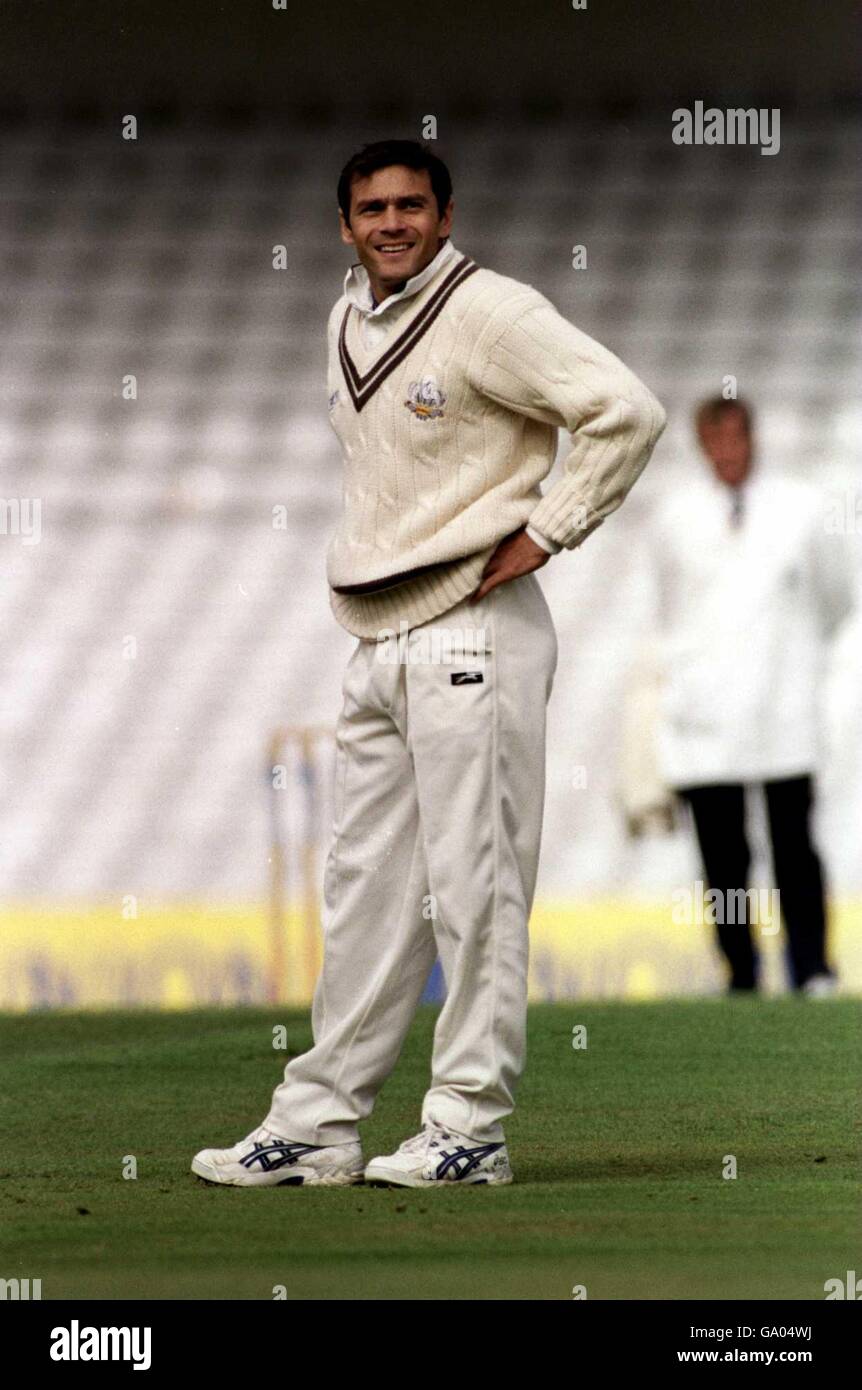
447, 386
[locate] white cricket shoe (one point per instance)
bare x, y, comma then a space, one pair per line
438, 1157
263, 1159
820, 987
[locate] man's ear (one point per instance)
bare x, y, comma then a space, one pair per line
346, 234
446, 220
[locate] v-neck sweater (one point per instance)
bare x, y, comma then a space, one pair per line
448, 427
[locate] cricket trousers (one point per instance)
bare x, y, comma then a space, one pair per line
439, 797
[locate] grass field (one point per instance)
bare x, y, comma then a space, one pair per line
618, 1153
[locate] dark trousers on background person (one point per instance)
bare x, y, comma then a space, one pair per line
719, 818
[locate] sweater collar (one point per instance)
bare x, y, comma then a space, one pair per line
357, 289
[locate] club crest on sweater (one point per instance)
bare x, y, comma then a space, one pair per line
426, 399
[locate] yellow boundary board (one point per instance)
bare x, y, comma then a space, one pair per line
185, 955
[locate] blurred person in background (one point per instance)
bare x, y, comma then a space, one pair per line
751, 587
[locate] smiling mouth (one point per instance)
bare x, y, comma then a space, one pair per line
395, 248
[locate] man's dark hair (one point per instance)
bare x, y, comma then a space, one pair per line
384, 153
710, 411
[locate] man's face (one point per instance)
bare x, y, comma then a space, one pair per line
395, 225
727, 444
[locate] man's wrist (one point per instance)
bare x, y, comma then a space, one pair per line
538, 539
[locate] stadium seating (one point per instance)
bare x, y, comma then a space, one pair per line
141, 769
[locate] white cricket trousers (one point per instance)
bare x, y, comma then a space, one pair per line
439, 795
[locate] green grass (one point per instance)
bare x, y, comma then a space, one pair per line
617, 1151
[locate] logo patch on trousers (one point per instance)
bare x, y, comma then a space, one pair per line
466, 678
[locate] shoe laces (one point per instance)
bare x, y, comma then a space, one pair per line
261, 1135
428, 1138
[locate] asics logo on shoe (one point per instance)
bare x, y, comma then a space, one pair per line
457, 1164
279, 1154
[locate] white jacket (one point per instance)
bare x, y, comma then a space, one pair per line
744, 618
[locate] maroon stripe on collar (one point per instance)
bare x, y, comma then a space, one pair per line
362, 387
454, 274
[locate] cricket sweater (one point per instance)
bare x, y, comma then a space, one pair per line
376, 321
447, 409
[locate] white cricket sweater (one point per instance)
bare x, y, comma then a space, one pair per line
375, 321
448, 425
